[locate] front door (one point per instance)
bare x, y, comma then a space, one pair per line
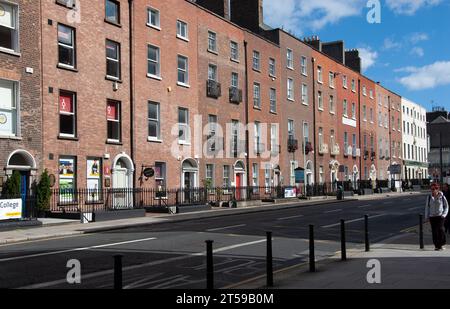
24, 190
238, 186
187, 187
122, 196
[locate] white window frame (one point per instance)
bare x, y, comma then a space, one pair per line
272, 67
156, 62
320, 100
185, 71
319, 75
118, 120
256, 60
234, 51
290, 59
304, 66
72, 47
73, 114
273, 100
155, 120
290, 89
14, 109
305, 98
184, 126
257, 95
117, 61
212, 41
157, 14
180, 35
15, 29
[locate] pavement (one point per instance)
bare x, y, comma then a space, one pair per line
58, 228
396, 263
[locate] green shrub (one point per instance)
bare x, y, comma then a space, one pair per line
43, 192
11, 189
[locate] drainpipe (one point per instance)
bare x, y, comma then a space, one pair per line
313, 60
130, 25
247, 142
360, 131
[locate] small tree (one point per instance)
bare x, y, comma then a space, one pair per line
43, 192
12, 186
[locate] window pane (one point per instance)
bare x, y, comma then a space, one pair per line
153, 111
66, 124
66, 55
65, 35
6, 37
112, 11
153, 129
113, 130
112, 50
112, 68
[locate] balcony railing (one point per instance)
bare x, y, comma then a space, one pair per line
292, 145
213, 89
235, 95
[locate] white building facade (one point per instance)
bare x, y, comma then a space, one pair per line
415, 154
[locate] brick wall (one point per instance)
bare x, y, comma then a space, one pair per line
13, 67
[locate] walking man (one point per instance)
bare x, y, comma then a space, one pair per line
446, 192
436, 211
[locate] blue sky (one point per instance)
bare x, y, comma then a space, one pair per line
408, 52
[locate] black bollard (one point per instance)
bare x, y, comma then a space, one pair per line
269, 260
343, 245
366, 232
118, 272
209, 265
421, 232
312, 258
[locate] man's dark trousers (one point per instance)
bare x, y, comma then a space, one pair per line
437, 227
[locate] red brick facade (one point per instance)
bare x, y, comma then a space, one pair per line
214, 73
20, 79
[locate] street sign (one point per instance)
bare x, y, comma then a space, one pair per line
395, 169
149, 172
10, 209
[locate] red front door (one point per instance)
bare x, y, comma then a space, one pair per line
238, 186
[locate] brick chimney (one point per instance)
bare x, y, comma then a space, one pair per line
314, 42
248, 14
335, 50
352, 60
220, 7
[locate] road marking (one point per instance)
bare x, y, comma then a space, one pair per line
364, 206
163, 261
74, 250
414, 208
292, 217
225, 227
332, 211
351, 221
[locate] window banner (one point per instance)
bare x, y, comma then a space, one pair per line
6, 15
10, 209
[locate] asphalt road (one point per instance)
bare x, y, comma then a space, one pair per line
172, 255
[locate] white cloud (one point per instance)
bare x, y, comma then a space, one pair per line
418, 37
299, 15
368, 57
426, 77
417, 51
410, 7
391, 44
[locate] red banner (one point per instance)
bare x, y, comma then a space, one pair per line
111, 112
65, 103
106, 170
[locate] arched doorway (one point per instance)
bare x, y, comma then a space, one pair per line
240, 179
189, 180
355, 177
122, 181
24, 163
334, 172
